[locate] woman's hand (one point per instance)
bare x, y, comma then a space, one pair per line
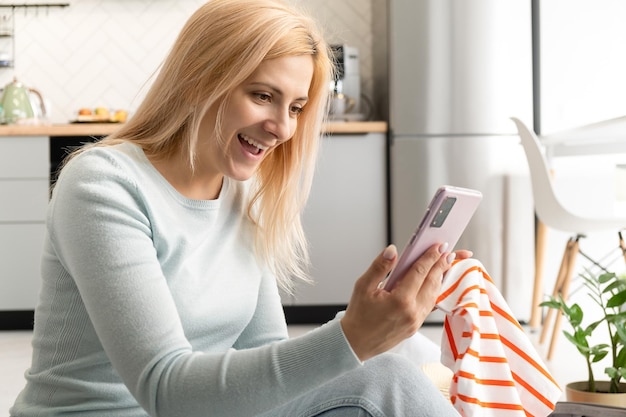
376, 320
463, 254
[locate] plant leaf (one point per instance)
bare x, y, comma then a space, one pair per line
551, 304
620, 359
575, 315
614, 286
605, 277
611, 372
599, 356
592, 327
617, 300
580, 341
621, 331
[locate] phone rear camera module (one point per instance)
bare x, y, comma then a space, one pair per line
443, 211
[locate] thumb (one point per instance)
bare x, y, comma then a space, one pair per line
390, 254
381, 266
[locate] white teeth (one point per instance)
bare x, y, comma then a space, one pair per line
254, 142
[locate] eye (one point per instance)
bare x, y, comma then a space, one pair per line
263, 97
296, 110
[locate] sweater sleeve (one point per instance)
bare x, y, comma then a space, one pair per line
103, 239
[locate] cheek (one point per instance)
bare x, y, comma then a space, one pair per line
247, 112
292, 131
293, 127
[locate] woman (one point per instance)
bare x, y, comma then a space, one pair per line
166, 242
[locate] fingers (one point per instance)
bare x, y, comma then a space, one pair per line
375, 319
463, 254
430, 266
379, 269
390, 253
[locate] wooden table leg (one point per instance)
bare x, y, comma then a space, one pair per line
622, 245
558, 285
540, 249
571, 266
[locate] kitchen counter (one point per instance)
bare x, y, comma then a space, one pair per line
102, 129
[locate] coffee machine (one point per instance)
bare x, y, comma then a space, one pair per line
347, 82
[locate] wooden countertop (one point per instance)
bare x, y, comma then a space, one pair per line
356, 127
102, 129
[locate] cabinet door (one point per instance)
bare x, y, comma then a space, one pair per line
24, 157
346, 218
20, 258
24, 200
24, 185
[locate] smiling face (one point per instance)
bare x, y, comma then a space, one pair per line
262, 113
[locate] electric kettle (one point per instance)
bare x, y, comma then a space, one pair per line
20, 103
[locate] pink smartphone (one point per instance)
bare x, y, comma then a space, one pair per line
446, 217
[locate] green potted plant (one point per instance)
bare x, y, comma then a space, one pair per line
608, 291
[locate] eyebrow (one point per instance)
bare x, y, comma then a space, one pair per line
276, 89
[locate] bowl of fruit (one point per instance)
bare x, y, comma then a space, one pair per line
101, 115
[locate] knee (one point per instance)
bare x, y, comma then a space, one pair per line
399, 383
394, 369
399, 374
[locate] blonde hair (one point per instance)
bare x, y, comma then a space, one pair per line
219, 47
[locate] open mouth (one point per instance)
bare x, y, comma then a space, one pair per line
251, 145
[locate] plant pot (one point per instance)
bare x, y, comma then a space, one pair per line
577, 392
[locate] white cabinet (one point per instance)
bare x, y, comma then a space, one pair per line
24, 187
346, 217
20, 256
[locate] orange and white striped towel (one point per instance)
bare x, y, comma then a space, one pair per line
497, 371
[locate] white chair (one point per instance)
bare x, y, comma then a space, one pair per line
552, 213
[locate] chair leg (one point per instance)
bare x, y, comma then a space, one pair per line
622, 244
571, 265
560, 278
540, 249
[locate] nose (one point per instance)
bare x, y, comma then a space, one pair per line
280, 124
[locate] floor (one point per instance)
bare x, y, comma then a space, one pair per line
15, 353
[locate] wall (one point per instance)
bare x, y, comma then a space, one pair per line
582, 62
103, 52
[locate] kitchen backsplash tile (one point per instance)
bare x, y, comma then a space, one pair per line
104, 52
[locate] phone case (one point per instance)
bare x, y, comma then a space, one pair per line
446, 217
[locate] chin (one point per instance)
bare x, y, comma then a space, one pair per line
242, 176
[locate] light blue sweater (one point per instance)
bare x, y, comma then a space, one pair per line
153, 303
